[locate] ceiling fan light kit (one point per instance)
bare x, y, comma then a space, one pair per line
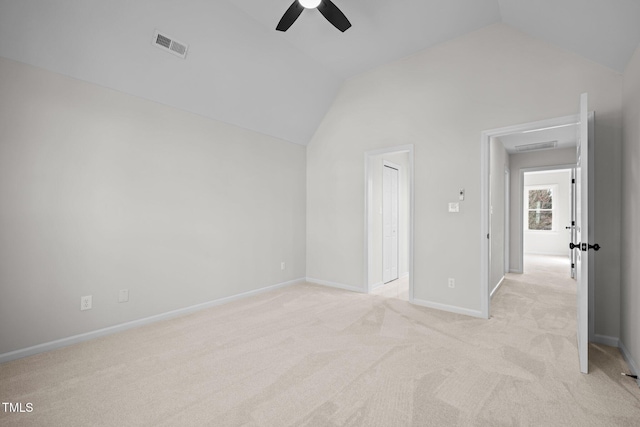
310, 4
326, 7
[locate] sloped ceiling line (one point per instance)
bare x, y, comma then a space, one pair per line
241, 71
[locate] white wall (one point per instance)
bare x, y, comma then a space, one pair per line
554, 242
376, 269
441, 100
630, 289
499, 160
103, 191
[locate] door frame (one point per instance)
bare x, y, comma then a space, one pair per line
368, 211
485, 214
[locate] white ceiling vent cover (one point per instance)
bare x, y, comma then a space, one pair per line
537, 146
169, 44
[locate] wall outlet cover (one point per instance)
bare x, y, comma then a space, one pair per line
85, 303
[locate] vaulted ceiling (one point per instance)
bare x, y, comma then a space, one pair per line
240, 70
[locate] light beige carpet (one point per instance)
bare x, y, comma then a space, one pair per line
399, 289
313, 356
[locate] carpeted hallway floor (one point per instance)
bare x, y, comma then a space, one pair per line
314, 356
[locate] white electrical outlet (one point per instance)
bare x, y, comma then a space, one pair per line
282, 265
123, 295
85, 303
452, 282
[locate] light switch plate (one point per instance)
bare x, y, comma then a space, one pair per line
454, 207
123, 295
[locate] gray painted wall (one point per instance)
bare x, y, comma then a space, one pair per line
441, 100
103, 191
630, 289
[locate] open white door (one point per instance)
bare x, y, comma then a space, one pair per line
581, 244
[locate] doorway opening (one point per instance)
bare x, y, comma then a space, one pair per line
581, 152
505, 153
388, 264
547, 212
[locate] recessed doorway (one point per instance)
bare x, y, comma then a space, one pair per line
547, 144
389, 222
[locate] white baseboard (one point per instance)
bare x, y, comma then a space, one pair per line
493, 292
515, 271
605, 340
449, 308
335, 285
63, 342
629, 359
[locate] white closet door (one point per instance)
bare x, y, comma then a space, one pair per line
390, 219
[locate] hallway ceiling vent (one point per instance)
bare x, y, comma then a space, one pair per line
536, 146
170, 45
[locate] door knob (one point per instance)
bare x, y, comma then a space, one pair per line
584, 246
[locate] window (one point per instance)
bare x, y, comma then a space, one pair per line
540, 209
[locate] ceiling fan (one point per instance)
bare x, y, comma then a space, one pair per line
326, 7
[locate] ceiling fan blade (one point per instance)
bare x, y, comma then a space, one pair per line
290, 16
334, 15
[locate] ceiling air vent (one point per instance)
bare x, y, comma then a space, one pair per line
536, 146
170, 45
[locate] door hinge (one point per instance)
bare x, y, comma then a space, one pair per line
573, 180
573, 265
573, 223
487, 235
